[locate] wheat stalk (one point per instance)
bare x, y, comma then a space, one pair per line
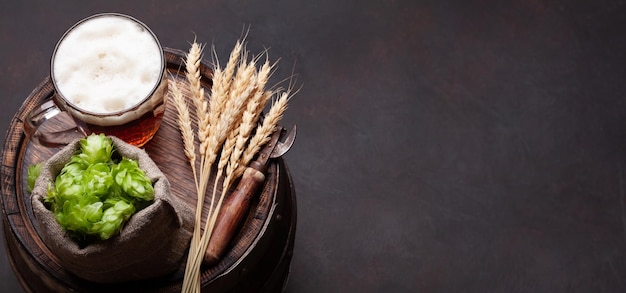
215, 135
210, 137
225, 127
241, 88
230, 114
192, 66
222, 111
184, 123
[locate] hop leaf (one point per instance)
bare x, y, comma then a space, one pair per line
33, 174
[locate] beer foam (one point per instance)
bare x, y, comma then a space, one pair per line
107, 64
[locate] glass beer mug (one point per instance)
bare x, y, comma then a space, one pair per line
108, 73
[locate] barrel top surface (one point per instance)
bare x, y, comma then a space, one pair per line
166, 149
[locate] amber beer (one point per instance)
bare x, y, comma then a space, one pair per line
108, 71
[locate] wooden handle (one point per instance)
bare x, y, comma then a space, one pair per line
231, 214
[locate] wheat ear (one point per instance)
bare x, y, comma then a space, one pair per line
249, 119
235, 55
222, 82
192, 65
184, 123
263, 132
222, 79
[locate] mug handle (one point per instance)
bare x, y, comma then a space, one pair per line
42, 113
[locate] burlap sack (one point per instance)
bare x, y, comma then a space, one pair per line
151, 244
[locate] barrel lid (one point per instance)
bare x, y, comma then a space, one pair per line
269, 228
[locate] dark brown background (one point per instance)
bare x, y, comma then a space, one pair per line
465, 146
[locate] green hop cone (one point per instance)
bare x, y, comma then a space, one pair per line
67, 187
112, 219
95, 149
33, 173
133, 180
79, 214
98, 179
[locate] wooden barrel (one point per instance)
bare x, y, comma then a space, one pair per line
258, 259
